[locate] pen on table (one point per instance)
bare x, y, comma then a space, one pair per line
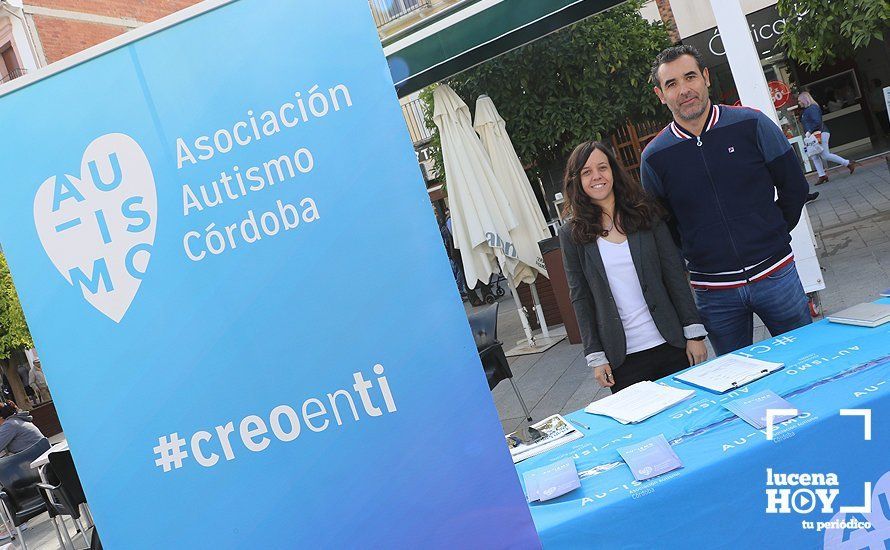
579, 424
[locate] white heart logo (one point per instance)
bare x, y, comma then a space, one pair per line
98, 228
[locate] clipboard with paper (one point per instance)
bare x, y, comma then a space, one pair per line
728, 373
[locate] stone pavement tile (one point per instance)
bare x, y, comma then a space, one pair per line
882, 280
842, 258
761, 333
873, 237
564, 388
826, 220
840, 243
510, 425
589, 391
553, 362
864, 211
508, 404
519, 365
539, 380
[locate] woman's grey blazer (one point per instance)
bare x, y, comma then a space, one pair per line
662, 278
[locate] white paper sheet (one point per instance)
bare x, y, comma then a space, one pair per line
638, 402
728, 372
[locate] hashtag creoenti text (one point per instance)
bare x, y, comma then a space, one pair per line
252, 433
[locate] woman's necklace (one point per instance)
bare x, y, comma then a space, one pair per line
606, 230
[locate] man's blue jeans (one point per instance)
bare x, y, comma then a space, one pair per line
778, 299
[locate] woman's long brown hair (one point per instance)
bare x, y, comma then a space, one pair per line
634, 208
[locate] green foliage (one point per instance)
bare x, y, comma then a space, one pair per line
14, 332
830, 29
435, 144
579, 83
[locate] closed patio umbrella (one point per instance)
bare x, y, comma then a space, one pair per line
481, 216
531, 227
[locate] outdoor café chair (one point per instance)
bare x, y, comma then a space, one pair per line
20, 498
64, 493
484, 324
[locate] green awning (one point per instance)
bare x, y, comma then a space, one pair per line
474, 31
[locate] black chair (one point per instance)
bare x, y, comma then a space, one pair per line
20, 497
54, 517
64, 493
484, 324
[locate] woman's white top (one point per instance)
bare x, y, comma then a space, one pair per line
639, 327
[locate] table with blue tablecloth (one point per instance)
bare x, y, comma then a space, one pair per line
718, 499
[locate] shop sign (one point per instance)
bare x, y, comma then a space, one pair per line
779, 92
766, 27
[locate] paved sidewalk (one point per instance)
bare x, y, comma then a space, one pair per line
851, 221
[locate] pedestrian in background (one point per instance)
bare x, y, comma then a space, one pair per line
811, 120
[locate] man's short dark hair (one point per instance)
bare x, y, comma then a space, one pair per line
672, 54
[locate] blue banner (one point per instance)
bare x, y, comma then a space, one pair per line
227, 258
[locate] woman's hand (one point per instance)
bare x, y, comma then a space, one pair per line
696, 351
603, 375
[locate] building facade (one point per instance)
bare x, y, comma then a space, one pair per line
849, 90
34, 33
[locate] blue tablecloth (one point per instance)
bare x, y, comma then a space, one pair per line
718, 498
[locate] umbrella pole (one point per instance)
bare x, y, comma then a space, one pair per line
521, 311
539, 311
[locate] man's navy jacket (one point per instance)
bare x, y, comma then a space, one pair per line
720, 190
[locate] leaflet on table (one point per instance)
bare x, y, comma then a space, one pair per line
868, 314
752, 409
728, 372
638, 402
557, 431
551, 481
650, 458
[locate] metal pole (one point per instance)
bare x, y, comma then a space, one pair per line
747, 71
744, 62
521, 310
539, 311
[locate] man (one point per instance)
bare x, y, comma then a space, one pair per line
457, 267
37, 381
716, 169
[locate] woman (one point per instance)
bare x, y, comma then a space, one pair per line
628, 285
811, 119
17, 431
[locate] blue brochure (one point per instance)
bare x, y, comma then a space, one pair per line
650, 458
752, 409
551, 481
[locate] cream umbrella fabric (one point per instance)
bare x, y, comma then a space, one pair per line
481, 217
531, 226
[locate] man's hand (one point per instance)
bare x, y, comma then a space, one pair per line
696, 351
603, 375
